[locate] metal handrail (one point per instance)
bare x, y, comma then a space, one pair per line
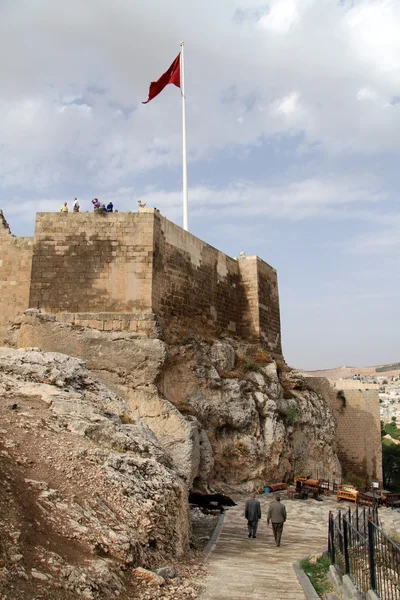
361, 549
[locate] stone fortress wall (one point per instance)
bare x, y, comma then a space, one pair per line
15, 273
358, 431
124, 271
135, 272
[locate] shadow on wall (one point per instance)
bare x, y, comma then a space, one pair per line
196, 293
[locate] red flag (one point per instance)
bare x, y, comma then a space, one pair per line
173, 75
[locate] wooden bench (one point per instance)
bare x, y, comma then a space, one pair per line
347, 492
298, 481
314, 484
324, 485
393, 500
368, 499
277, 487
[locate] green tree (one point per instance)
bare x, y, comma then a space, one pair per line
391, 465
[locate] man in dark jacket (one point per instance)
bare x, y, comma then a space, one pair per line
277, 516
253, 514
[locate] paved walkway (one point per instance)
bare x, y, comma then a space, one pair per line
245, 569
255, 569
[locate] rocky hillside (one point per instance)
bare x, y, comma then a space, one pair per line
87, 492
98, 453
262, 422
226, 414
390, 370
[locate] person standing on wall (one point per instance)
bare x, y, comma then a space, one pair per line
277, 516
253, 514
64, 208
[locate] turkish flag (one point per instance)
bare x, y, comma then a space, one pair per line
173, 75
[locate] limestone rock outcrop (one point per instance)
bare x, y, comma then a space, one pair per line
87, 491
263, 424
224, 412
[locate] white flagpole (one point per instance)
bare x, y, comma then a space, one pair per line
184, 157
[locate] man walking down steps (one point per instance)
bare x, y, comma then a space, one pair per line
277, 516
253, 514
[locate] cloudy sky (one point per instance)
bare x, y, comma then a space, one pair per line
293, 117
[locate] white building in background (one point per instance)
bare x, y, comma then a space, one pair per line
387, 411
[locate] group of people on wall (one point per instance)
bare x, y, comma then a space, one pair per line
97, 206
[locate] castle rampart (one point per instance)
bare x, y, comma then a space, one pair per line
358, 432
15, 274
128, 265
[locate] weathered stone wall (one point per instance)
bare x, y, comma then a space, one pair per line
84, 262
263, 315
134, 264
194, 281
358, 431
15, 271
251, 313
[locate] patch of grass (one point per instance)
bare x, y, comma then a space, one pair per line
251, 365
262, 357
317, 571
291, 415
235, 374
248, 359
243, 365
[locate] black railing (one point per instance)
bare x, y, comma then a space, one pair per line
359, 548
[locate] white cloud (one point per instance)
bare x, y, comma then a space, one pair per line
366, 93
281, 16
288, 104
385, 240
301, 66
328, 197
373, 29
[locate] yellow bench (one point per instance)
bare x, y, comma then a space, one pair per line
347, 492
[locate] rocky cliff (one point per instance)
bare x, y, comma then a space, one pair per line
87, 492
98, 452
225, 412
262, 422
